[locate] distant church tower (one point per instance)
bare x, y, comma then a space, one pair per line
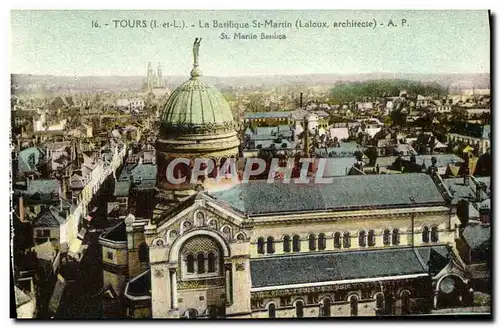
150, 79
159, 77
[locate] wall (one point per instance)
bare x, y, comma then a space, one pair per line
54, 233
353, 226
27, 310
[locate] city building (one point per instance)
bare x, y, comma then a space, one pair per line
362, 245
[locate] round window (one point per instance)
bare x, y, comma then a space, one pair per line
447, 285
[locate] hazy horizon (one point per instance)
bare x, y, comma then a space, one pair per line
63, 43
256, 75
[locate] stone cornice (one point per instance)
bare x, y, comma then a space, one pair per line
113, 244
343, 215
332, 288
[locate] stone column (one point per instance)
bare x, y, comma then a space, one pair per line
436, 293
228, 270
173, 287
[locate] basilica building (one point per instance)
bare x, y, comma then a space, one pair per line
362, 245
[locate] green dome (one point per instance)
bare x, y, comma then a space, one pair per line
195, 102
195, 106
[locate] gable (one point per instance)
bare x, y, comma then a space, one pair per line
202, 213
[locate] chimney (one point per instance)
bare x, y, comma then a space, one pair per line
21, 209
306, 138
300, 102
467, 170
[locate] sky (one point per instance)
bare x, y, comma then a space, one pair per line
65, 43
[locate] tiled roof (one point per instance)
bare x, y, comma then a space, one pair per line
346, 193
336, 266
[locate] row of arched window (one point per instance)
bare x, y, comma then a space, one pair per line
199, 262
325, 306
434, 235
292, 244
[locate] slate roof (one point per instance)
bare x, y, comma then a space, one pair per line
258, 115
336, 266
138, 172
476, 235
146, 185
49, 217
116, 233
336, 167
460, 191
140, 285
30, 158
46, 188
344, 193
346, 149
442, 160
122, 188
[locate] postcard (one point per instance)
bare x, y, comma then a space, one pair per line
250, 164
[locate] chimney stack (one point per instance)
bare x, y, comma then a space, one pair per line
300, 103
306, 138
21, 209
467, 170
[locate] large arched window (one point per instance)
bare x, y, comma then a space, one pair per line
395, 237
286, 244
327, 307
371, 238
425, 235
299, 309
353, 301
362, 238
321, 242
434, 235
211, 262
346, 240
190, 263
143, 253
312, 242
387, 236
405, 302
260, 245
272, 311
336, 240
296, 243
270, 245
200, 260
